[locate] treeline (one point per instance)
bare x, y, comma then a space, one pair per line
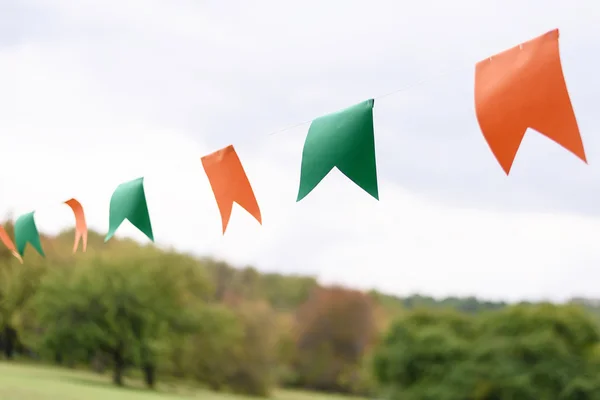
524, 352
129, 308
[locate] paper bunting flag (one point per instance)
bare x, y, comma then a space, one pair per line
129, 202
230, 184
27, 232
346, 140
5, 239
81, 231
522, 88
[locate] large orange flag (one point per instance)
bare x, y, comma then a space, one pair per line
522, 88
81, 231
5, 239
229, 183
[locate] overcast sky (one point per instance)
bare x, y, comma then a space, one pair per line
94, 93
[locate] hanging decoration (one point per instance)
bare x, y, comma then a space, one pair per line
230, 184
522, 88
344, 140
128, 202
8, 243
81, 231
26, 232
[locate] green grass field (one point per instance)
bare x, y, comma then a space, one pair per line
27, 382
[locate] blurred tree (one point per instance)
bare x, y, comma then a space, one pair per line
18, 284
117, 306
234, 348
256, 362
335, 328
423, 356
286, 292
538, 351
522, 352
285, 349
178, 286
209, 352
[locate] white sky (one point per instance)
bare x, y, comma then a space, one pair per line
98, 92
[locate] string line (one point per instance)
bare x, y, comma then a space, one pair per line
402, 89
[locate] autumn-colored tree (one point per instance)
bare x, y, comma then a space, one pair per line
335, 328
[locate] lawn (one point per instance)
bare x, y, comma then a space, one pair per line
27, 382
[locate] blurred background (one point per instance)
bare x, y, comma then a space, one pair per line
461, 283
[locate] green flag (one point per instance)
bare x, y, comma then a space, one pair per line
345, 140
129, 202
26, 232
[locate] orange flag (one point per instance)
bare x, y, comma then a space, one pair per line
81, 231
229, 183
9, 243
522, 88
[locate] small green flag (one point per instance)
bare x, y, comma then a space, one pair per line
129, 202
27, 232
346, 140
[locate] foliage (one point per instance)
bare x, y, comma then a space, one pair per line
335, 328
121, 308
522, 352
255, 363
18, 284
208, 354
163, 314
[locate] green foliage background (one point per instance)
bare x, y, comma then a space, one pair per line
164, 315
